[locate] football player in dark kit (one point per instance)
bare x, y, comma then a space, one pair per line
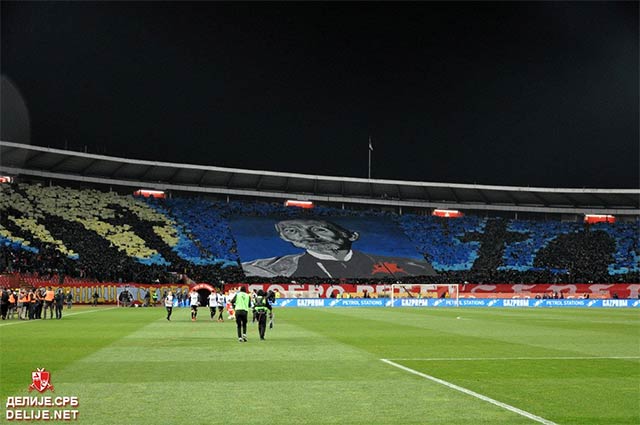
262, 307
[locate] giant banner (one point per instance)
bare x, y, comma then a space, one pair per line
343, 247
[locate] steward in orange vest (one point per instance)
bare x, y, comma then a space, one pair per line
48, 303
23, 304
13, 304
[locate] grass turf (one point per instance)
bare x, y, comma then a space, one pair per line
322, 366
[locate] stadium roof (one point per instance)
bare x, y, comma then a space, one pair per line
55, 164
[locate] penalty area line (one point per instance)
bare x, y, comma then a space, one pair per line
471, 393
64, 315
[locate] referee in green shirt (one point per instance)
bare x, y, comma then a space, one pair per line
241, 303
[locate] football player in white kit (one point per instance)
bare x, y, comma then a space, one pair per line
195, 301
230, 310
213, 303
168, 303
221, 300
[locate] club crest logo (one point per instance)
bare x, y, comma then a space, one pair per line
40, 380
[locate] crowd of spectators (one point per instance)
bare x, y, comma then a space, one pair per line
96, 236
103, 236
207, 227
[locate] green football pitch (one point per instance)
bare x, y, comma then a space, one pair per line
334, 366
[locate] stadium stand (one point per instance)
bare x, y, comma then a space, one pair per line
85, 234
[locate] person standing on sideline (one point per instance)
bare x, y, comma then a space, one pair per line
195, 301
168, 303
23, 304
241, 303
49, 297
31, 295
13, 303
262, 307
37, 312
59, 300
213, 304
69, 299
4, 304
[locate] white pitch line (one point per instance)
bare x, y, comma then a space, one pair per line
472, 393
64, 315
473, 359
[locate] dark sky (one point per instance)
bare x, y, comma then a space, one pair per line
528, 94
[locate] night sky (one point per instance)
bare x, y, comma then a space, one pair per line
527, 94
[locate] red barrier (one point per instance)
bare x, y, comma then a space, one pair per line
595, 290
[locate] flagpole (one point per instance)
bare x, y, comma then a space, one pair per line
370, 149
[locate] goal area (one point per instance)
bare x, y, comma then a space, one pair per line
434, 290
